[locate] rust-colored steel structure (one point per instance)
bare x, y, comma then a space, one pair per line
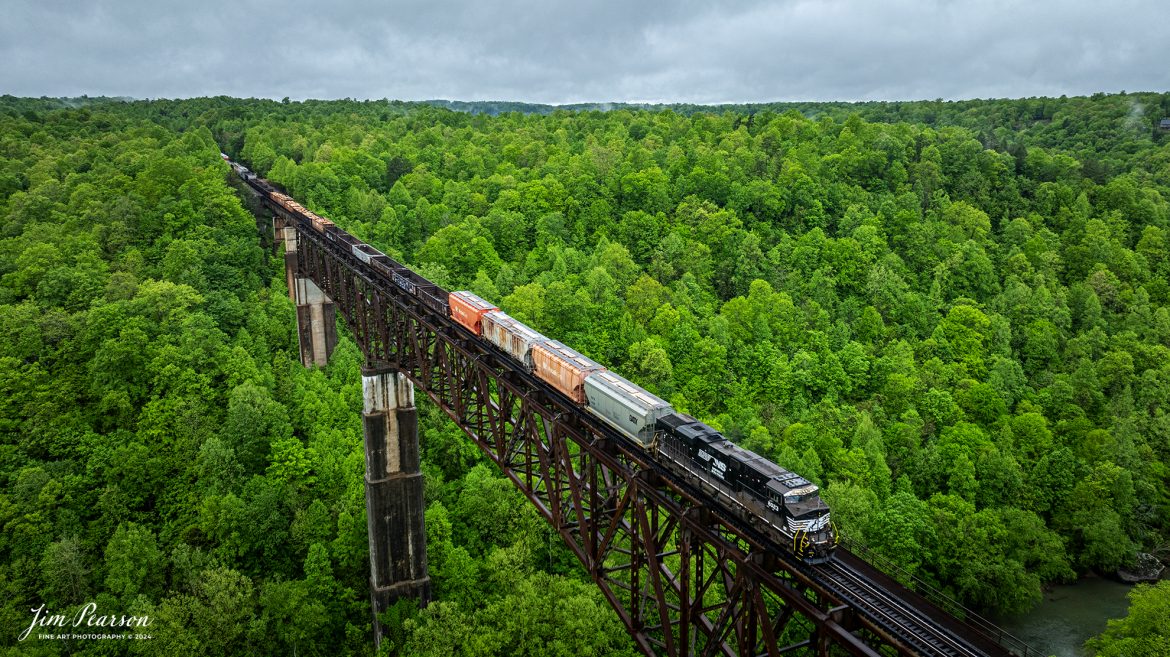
686, 577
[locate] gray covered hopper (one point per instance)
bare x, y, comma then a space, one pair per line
625, 405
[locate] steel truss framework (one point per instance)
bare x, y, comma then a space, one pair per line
684, 579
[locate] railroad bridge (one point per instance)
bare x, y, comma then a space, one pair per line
684, 577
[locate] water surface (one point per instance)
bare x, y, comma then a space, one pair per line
1068, 615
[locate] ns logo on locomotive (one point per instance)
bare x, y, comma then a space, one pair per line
773, 500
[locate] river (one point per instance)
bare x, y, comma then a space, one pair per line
1068, 615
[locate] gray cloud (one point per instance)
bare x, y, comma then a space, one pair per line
558, 52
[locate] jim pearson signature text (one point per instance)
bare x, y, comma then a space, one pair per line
86, 616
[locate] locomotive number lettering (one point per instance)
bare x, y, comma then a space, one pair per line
747, 484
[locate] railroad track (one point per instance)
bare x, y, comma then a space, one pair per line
892, 613
886, 609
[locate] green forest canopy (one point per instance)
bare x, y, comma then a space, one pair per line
954, 317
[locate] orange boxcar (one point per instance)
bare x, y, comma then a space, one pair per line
468, 310
563, 368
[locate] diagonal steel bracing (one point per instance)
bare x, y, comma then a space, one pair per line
684, 576
680, 578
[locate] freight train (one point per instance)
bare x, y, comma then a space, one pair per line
775, 501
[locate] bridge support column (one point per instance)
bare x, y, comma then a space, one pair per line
394, 492
316, 323
286, 235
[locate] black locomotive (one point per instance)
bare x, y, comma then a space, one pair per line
771, 499
780, 501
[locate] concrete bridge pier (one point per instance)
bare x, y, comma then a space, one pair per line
316, 322
286, 235
394, 492
316, 312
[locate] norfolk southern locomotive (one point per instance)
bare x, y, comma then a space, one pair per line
774, 500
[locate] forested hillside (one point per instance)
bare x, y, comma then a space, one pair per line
164, 454
966, 347
954, 317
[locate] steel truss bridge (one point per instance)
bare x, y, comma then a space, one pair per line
685, 577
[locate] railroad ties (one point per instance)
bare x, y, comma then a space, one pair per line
685, 577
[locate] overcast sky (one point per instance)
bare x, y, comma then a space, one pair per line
702, 51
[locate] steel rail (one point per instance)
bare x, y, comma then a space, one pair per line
603, 494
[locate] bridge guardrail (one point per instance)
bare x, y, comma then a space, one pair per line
944, 601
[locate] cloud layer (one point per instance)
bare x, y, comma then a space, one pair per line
562, 52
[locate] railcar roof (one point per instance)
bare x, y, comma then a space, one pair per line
473, 300
568, 354
514, 325
629, 389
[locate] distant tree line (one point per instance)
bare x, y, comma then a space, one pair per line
954, 317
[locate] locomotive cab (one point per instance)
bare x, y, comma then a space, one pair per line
774, 498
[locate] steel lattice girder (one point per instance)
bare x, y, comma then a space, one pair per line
682, 579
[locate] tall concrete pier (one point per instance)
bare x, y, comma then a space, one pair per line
394, 484
316, 323
316, 312
286, 236
394, 492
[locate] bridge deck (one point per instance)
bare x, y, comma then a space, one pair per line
685, 576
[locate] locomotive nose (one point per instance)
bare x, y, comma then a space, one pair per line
815, 543
803, 546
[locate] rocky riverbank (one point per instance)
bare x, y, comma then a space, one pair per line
1147, 569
